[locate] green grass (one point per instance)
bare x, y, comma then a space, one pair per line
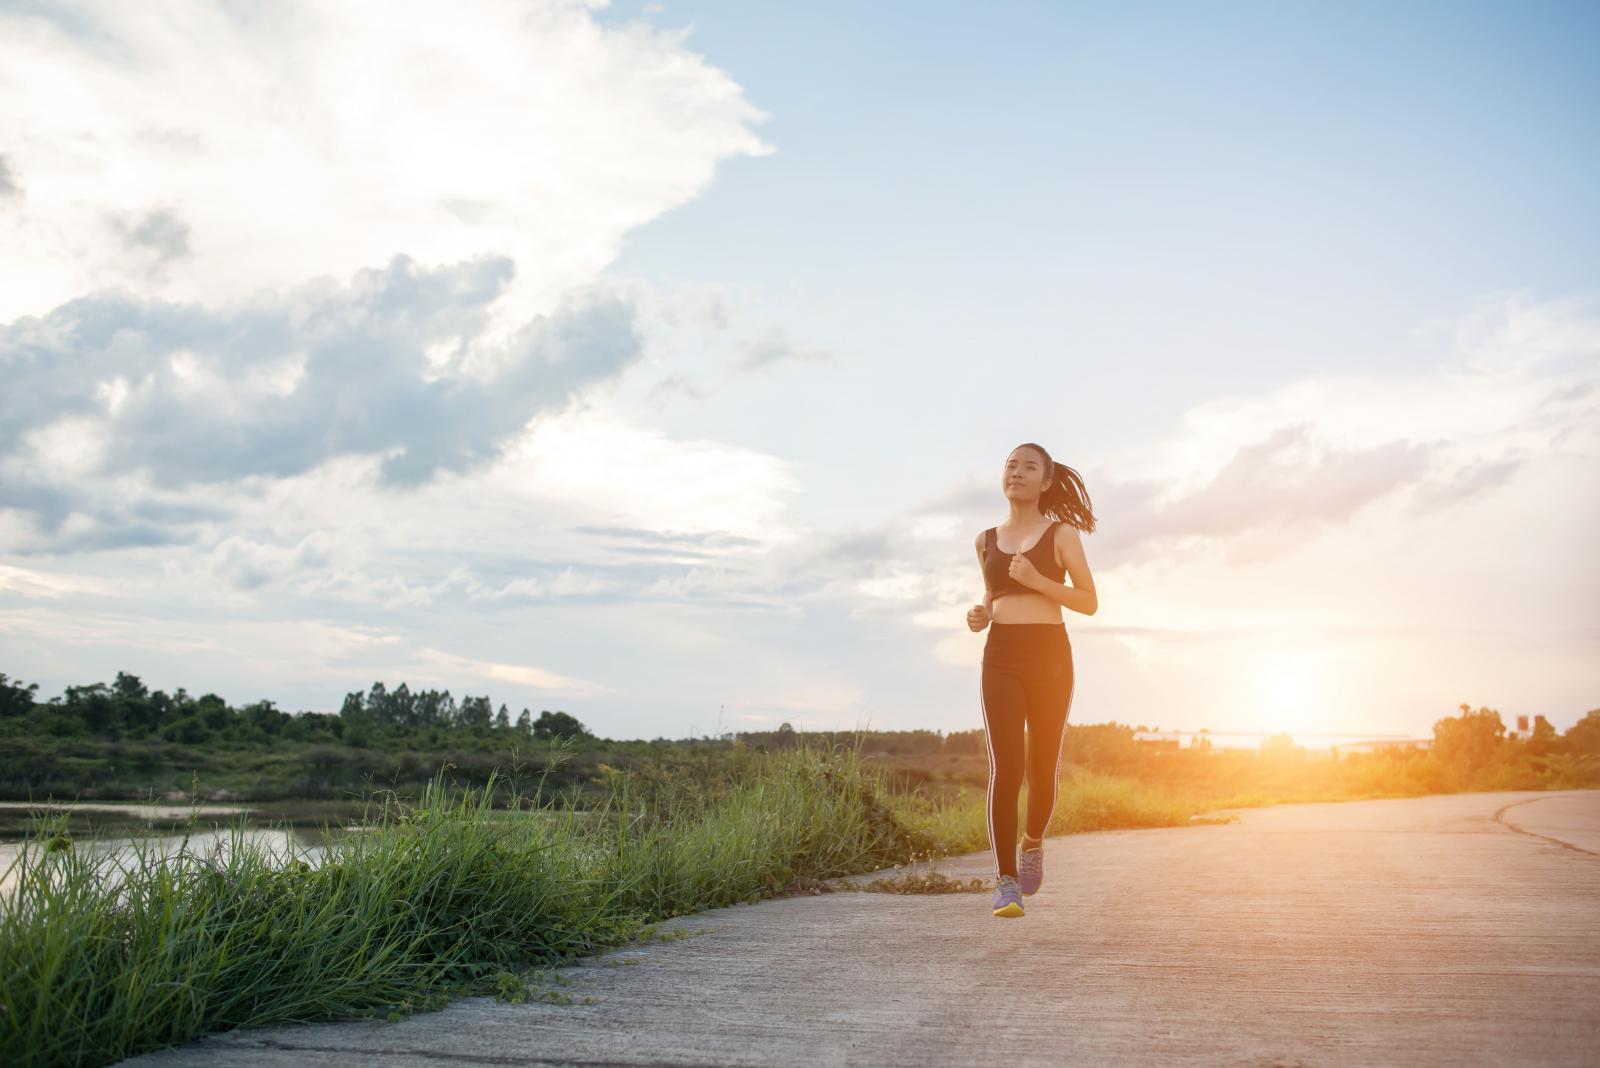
1085, 801
449, 895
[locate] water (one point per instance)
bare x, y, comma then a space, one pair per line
108, 832
116, 853
160, 830
133, 810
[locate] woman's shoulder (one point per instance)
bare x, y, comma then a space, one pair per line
1062, 539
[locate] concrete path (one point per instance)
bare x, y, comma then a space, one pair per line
1451, 930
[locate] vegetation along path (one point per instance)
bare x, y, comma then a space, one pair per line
1448, 930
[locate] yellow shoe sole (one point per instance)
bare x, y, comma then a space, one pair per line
1009, 909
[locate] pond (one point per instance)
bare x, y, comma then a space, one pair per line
114, 832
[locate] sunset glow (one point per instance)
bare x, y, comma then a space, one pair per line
1286, 694
601, 353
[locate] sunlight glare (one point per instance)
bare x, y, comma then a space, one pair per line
1283, 692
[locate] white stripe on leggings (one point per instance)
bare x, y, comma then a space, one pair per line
988, 797
1055, 782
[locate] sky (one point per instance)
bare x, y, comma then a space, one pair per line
658, 362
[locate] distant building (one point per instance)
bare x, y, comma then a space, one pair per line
1522, 729
1158, 741
1375, 744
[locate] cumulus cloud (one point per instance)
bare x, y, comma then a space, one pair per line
712, 335
9, 189
1467, 482
1289, 479
109, 385
328, 334
247, 564
450, 666
379, 234
29, 583
1249, 479
773, 348
158, 234
251, 147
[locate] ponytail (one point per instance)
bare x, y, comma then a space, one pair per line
1064, 496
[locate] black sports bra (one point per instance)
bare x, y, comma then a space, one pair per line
997, 564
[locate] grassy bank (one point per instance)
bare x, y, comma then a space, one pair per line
449, 895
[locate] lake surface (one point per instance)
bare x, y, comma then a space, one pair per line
110, 830
131, 809
284, 844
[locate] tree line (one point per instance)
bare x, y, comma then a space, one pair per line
128, 709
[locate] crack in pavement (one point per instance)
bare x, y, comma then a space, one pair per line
1535, 834
467, 1058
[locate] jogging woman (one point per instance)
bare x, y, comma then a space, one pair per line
1027, 658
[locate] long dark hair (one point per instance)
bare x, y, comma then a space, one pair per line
1064, 496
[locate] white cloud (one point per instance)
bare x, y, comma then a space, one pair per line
247, 564
1513, 374
34, 584
453, 667
200, 151
1328, 525
252, 648
604, 464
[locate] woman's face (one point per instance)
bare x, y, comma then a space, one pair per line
1024, 475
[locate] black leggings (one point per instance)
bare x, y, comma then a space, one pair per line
1027, 678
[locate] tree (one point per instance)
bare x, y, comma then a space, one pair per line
1583, 736
1470, 740
1280, 744
525, 724
377, 701
15, 698
476, 714
1544, 740
129, 687
214, 712
93, 707
354, 707
430, 709
502, 718
960, 742
1094, 745
402, 710
265, 717
558, 725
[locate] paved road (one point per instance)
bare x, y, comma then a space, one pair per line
1452, 930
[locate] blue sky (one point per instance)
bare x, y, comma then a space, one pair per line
1165, 201
713, 324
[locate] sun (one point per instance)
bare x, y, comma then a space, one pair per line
1285, 693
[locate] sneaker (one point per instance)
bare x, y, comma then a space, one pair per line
1030, 869
1008, 897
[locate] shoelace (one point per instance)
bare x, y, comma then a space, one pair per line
1031, 861
1006, 880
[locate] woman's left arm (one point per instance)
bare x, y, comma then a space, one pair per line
1080, 596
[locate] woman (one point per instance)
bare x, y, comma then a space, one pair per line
1027, 658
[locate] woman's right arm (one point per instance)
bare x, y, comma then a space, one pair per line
988, 597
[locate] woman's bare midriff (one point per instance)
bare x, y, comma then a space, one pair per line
1023, 608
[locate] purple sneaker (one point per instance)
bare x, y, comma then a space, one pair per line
1030, 869
1008, 897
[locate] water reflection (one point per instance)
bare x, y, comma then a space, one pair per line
120, 836
113, 856
130, 809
